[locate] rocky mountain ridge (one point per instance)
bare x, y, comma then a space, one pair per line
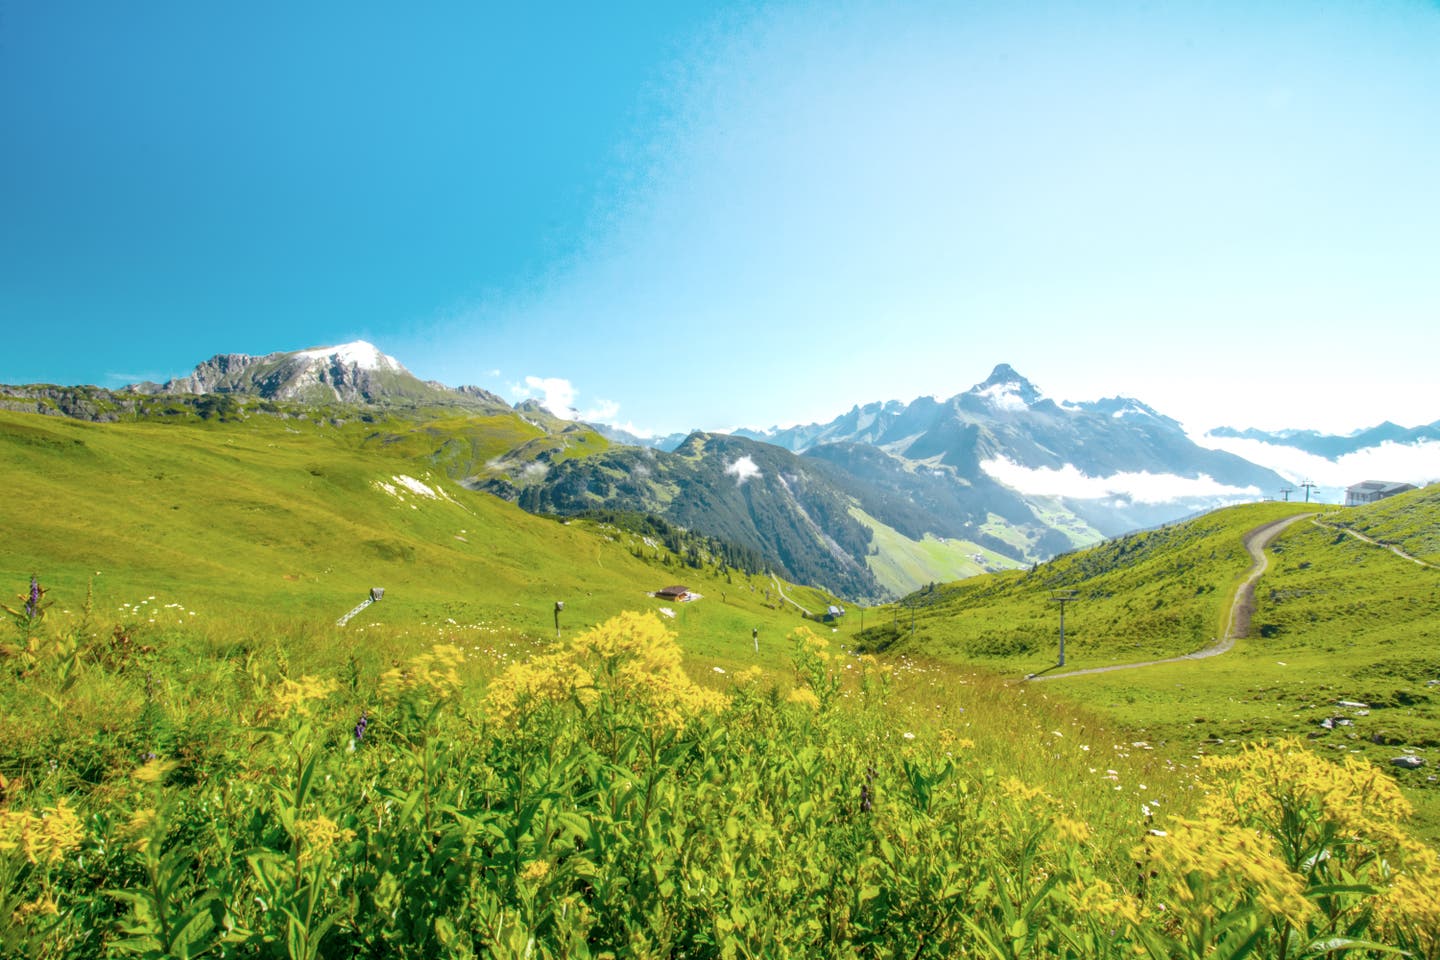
350, 373
996, 475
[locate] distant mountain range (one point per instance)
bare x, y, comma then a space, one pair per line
1005, 417
1334, 447
903, 493
875, 502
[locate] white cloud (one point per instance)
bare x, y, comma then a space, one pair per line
630, 428
1142, 487
1417, 463
125, 379
604, 411
743, 469
558, 395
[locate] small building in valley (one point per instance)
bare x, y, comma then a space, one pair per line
1372, 490
673, 593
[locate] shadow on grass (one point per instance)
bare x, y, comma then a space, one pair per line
1040, 673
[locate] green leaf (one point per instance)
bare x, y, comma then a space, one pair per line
1341, 944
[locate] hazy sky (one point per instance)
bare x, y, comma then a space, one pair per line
681, 215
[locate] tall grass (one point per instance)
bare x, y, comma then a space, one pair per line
418, 798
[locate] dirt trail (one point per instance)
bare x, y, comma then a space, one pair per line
783, 596
1241, 608
1377, 543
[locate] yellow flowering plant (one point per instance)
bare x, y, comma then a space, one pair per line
814, 667
630, 663
1311, 852
32, 847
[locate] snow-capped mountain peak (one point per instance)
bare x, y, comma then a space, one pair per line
359, 353
1005, 389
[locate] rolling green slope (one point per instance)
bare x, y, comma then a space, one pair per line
298, 519
900, 563
1407, 522
1146, 595
1336, 620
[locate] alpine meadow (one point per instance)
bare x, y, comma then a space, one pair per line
720, 480
222, 740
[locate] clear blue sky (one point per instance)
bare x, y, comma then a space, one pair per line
711, 215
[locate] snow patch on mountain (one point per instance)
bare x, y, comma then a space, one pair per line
1141, 487
1132, 410
359, 353
1003, 396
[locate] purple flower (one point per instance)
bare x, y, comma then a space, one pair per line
867, 793
361, 725
32, 606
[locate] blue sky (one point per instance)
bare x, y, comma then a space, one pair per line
709, 215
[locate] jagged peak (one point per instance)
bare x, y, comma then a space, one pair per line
358, 353
1005, 389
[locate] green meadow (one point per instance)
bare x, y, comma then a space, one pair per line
1148, 595
198, 761
1336, 620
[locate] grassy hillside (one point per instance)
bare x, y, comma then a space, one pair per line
1152, 594
195, 758
1406, 521
901, 564
299, 519
1336, 619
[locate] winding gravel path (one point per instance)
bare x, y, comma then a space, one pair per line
1377, 543
785, 597
1241, 608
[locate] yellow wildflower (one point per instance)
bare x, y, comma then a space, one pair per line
1258, 786
1233, 864
42, 906
1412, 901
631, 659
1099, 898
294, 696
1020, 790
535, 871
750, 675
319, 836
154, 770
44, 838
436, 671
552, 678
138, 828
812, 643
1071, 830
805, 696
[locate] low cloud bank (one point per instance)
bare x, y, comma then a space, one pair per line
1142, 487
1417, 463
